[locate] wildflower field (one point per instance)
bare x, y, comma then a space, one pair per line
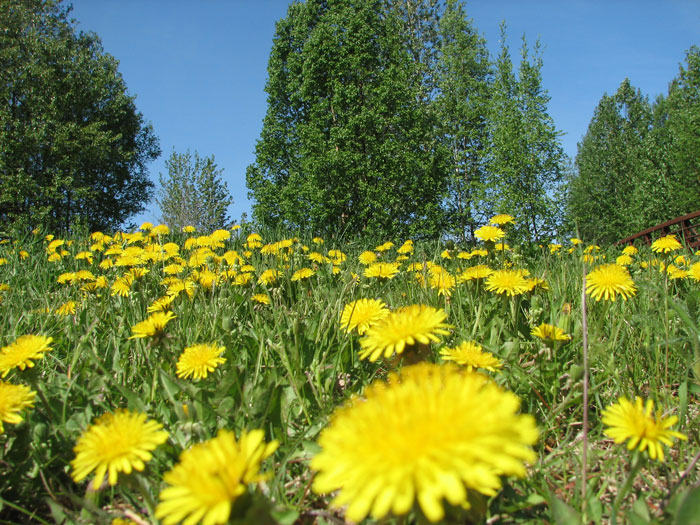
237, 376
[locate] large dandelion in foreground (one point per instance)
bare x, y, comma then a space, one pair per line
432, 434
403, 328
116, 442
608, 280
211, 476
636, 422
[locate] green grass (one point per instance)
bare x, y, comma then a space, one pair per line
289, 365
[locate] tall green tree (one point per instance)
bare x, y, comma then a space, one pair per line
193, 193
526, 159
74, 147
611, 162
346, 143
464, 83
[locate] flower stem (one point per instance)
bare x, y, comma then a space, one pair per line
622, 493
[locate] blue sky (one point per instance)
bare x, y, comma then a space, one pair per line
198, 68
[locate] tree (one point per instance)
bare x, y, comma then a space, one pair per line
347, 144
193, 193
74, 147
526, 159
464, 81
604, 199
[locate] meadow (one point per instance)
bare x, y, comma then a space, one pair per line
238, 376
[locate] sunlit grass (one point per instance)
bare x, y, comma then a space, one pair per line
271, 307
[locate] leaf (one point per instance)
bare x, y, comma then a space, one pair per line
689, 511
562, 513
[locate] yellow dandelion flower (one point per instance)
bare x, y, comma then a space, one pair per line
403, 328
385, 247
550, 332
442, 281
269, 277
23, 352
153, 326
694, 271
304, 273
384, 452
260, 298
608, 280
122, 286
317, 240
471, 355
666, 244
624, 260
406, 248
501, 219
362, 314
189, 229
636, 422
198, 360
382, 270
367, 257
507, 282
489, 233
67, 308
14, 399
630, 250
210, 476
575, 241
161, 304
116, 442
480, 271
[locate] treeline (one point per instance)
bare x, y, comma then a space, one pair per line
639, 163
389, 117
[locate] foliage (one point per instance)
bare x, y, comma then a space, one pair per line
193, 193
464, 82
346, 145
378, 119
74, 147
609, 161
636, 163
526, 159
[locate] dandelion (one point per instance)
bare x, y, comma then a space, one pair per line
189, 229
198, 360
382, 270
23, 352
116, 442
636, 422
630, 250
385, 247
14, 399
480, 271
550, 333
260, 298
666, 244
608, 280
575, 241
501, 219
442, 280
624, 260
471, 355
507, 282
269, 277
367, 257
153, 326
210, 476
304, 273
403, 328
489, 233
362, 314
161, 304
422, 436
67, 308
